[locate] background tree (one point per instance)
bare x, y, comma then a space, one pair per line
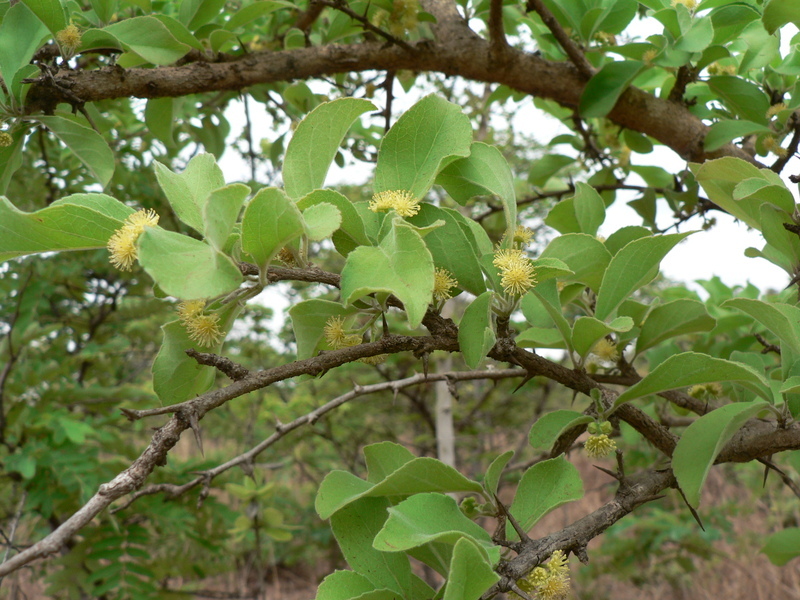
133, 98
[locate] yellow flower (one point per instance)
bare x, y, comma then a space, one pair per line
522, 235
401, 201
204, 329
599, 446
704, 391
606, 350
442, 284
506, 257
122, 243
649, 56
775, 109
5, 139
379, 359
690, 4
69, 39
189, 310
518, 279
122, 246
337, 336
550, 582
142, 218
772, 145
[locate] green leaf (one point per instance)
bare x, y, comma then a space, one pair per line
783, 320
547, 166
425, 518
782, 546
261, 8
720, 177
77, 222
625, 235
185, 267
321, 221
604, 89
540, 337
21, 34
741, 96
355, 528
778, 13
316, 141
196, 13
149, 38
11, 157
722, 132
384, 458
50, 12
178, 377
483, 172
692, 368
475, 332
586, 331
492, 478
425, 139
87, 145
547, 294
550, 268
308, 321
631, 268
416, 476
543, 487
674, 318
582, 213
585, 255
352, 226
471, 574
697, 37
187, 191
400, 265
548, 428
452, 246
343, 585
220, 212
271, 220
765, 190
702, 442
159, 116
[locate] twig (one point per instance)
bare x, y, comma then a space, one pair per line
767, 346
14, 522
225, 365
282, 430
571, 48
779, 164
341, 6
497, 35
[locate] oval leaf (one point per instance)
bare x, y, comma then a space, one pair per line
702, 441
692, 368
475, 333
316, 141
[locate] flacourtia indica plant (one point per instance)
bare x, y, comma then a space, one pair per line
407, 254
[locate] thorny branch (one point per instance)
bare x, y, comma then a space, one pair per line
281, 430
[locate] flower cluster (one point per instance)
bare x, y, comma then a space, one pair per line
517, 273
339, 337
69, 39
706, 391
550, 582
599, 446
606, 350
202, 328
122, 244
689, 4
443, 282
400, 201
5, 139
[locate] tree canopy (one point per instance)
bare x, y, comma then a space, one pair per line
136, 271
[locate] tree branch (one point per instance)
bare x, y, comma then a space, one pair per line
574, 53
457, 51
173, 491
